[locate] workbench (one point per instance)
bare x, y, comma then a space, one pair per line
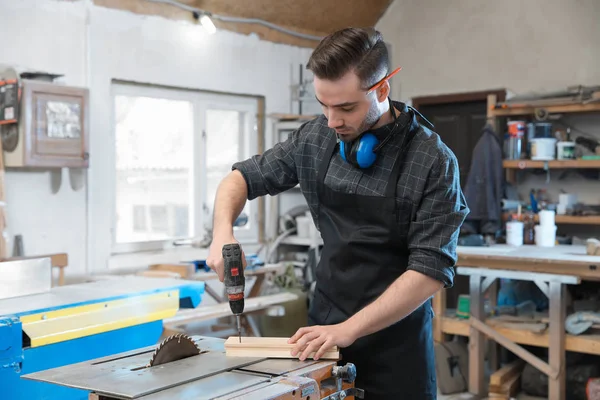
55, 326
551, 269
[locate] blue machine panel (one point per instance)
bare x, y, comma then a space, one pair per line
15, 360
35, 359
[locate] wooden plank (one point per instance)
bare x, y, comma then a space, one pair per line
527, 109
556, 345
159, 274
439, 304
206, 313
183, 270
476, 338
508, 389
505, 373
537, 164
536, 327
272, 347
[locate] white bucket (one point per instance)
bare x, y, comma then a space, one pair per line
546, 217
514, 233
545, 235
543, 148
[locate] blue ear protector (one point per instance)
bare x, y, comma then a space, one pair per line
362, 152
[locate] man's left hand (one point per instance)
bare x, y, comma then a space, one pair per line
318, 339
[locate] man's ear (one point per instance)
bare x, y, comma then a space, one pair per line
383, 92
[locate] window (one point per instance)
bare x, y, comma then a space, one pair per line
172, 148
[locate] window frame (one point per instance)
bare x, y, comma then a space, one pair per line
200, 102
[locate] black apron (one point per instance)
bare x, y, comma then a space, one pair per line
365, 250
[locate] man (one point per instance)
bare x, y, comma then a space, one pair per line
390, 229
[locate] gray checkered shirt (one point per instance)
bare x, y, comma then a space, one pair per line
429, 178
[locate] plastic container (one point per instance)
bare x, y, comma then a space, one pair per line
514, 233
516, 128
543, 130
565, 150
545, 236
543, 149
546, 218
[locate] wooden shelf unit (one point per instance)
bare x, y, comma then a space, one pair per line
585, 343
553, 164
497, 111
506, 110
567, 219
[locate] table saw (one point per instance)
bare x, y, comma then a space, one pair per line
45, 327
197, 368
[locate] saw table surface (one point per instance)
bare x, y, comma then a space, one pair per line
209, 375
91, 292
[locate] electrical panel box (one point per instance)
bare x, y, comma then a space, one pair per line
52, 130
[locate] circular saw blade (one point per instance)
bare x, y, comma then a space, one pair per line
173, 348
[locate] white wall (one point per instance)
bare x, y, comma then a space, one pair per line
91, 46
470, 45
43, 206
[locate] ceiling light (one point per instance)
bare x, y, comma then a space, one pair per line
208, 24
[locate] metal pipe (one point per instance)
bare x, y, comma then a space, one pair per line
239, 20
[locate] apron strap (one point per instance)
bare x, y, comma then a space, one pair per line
408, 135
324, 165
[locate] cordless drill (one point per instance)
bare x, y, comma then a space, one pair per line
235, 282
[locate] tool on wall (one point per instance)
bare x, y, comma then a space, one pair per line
235, 282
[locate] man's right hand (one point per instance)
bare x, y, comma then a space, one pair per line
215, 255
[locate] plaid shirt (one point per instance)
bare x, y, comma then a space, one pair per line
429, 178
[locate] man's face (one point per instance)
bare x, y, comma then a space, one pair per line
347, 107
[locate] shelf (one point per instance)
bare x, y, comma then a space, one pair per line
530, 164
577, 219
566, 219
507, 110
589, 344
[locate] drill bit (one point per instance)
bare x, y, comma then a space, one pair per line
239, 326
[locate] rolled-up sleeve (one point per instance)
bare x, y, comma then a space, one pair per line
273, 171
433, 235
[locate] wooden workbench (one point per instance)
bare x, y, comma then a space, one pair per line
551, 269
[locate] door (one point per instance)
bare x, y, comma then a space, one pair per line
459, 125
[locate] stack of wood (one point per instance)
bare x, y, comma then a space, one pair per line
536, 322
506, 382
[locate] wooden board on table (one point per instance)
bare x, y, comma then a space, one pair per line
272, 347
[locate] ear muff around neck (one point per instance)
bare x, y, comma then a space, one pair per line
360, 153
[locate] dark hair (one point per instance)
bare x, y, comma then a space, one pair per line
359, 49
